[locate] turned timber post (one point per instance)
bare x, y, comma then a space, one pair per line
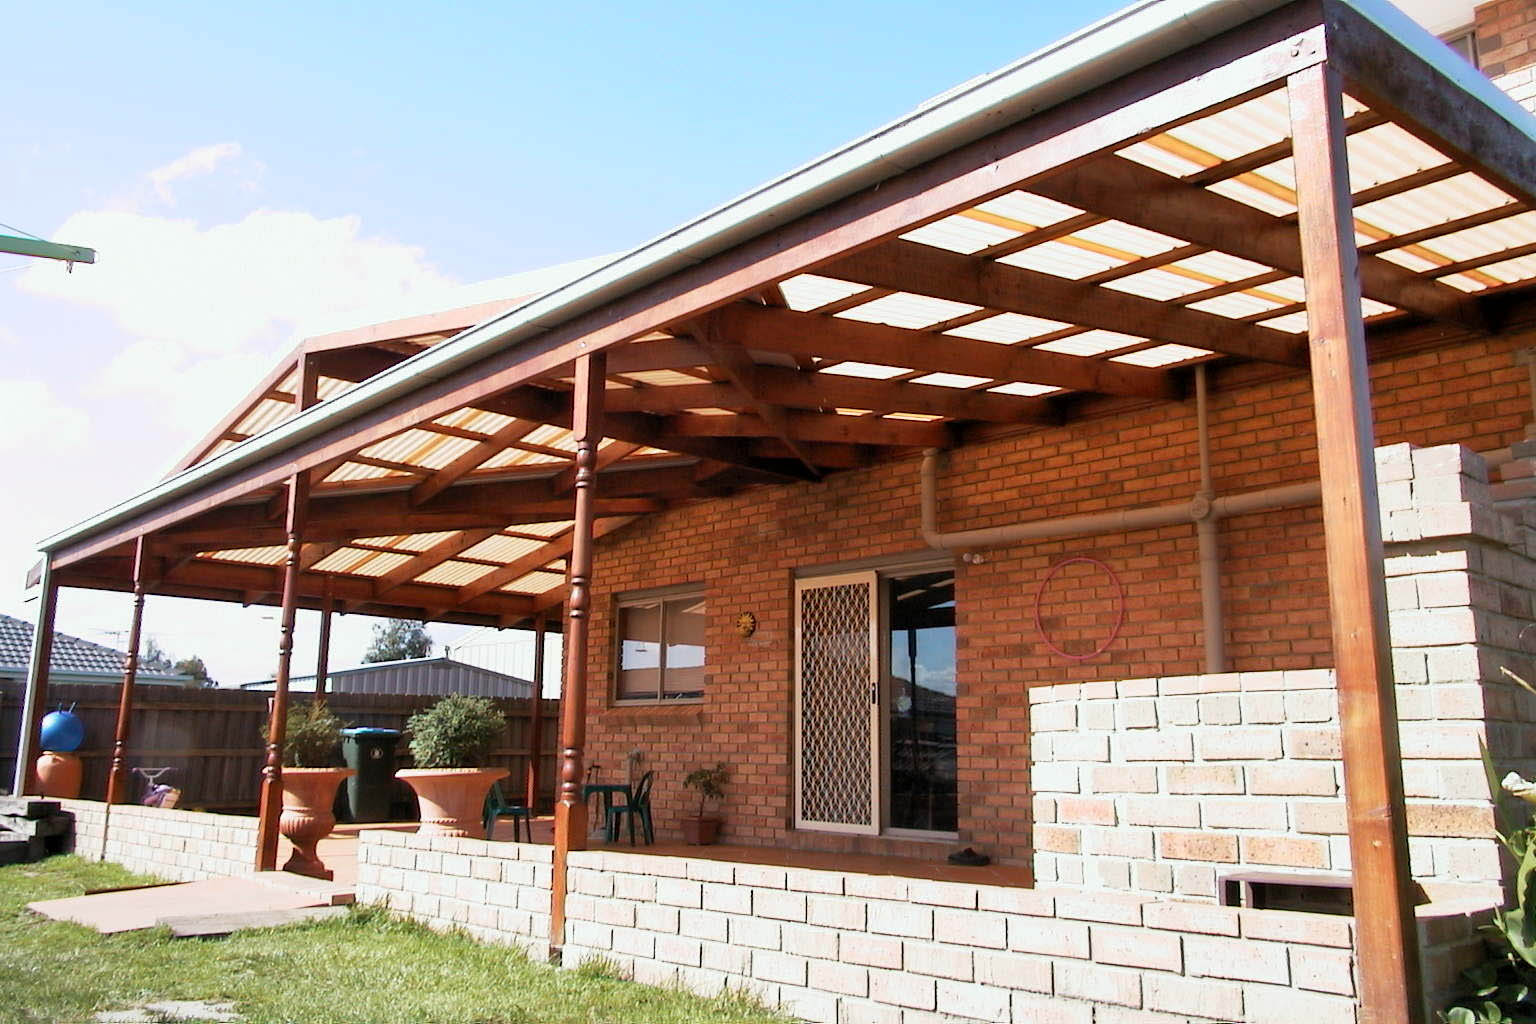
570, 809
35, 701
117, 779
323, 654
1386, 932
536, 715
277, 725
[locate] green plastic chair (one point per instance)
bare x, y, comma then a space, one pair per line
497, 806
639, 806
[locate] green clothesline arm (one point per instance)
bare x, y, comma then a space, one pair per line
47, 250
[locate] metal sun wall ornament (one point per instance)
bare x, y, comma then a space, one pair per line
746, 624
1119, 611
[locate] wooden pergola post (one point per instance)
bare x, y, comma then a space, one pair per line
536, 714
272, 773
117, 779
1386, 935
570, 809
24, 778
323, 653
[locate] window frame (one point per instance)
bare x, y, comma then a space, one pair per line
662, 596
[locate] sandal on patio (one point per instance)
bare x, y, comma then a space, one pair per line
969, 858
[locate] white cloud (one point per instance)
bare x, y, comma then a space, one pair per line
204, 160
31, 415
207, 310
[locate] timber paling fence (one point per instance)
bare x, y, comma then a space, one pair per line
212, 738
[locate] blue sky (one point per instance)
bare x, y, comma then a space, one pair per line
245, 171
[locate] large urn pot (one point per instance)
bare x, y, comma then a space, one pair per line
452, 799
308, 794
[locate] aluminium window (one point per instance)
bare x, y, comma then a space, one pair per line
660, 648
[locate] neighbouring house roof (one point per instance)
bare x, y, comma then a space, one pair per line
1008, 272
426, 676
72, 657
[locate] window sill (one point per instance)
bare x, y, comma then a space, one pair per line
681, 712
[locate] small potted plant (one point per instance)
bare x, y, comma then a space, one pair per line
449, 742
310, 779
702, 830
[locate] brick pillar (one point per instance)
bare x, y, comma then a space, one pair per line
1460, 591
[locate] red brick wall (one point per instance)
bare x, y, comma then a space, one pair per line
746, 550
1506, 31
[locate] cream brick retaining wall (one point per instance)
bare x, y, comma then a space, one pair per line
498, 892
183, 846
832, 946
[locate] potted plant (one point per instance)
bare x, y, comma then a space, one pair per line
710, 782
449, 742
309, 784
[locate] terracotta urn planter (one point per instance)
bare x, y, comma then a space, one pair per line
701, 831
452, 799
308, 794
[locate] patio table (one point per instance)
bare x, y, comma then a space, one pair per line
607, 790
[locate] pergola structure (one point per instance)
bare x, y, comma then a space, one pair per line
1294, 185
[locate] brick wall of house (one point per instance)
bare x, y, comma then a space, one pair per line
1505, 31
747, 548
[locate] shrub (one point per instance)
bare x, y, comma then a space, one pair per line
456, 732
310, 737
710, 782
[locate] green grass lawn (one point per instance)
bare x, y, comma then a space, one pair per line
366, 967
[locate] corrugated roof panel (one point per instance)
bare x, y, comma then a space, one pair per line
1290, 323
264, 415
518, 457
218, 449
1028, 208
1223, 266
358, 471
535, 583
1255, 197
1370, 307
419, 542
342, 560
1471, 243
1159, 159
454, 573
872, 371
1008, 328
273, 555
441, 452
1158, 284
951, 380
1521, 268
1162, 355
812, 291
551, 436
961, 234
329, 387
1091, 343
1240, 130
478, 420
549, 529
1292, 289
504, 549
398, 447
1114, 234
1387, 153
1236, 305
1024, 389
904, 309
380, 563
1432, 204
1061, 259
662, 378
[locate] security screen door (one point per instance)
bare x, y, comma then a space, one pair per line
837, 725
